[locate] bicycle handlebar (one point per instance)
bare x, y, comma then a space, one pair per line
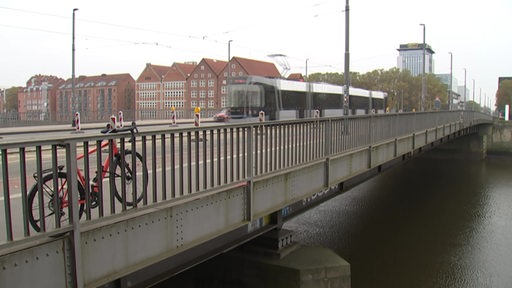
133, 129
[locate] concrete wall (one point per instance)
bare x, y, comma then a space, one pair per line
500, 140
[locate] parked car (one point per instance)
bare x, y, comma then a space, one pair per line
222, 116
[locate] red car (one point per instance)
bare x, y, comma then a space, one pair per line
222, 116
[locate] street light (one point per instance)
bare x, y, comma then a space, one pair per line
464, 103
229, 69
73, 65
423, 80
307, 68
347, 62
229, 58
451, 82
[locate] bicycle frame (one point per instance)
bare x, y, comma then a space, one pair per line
105, 166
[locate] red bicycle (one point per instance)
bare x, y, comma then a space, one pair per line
130, 175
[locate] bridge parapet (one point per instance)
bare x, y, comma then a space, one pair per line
206, 188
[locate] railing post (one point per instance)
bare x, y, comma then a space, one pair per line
328, 137
75, 261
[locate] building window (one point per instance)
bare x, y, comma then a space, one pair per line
211, 83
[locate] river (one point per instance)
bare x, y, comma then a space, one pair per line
439, 220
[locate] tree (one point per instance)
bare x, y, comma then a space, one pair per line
11, 99
403, 89
504, 95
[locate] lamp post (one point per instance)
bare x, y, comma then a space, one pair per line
73, 65
473, 98
229, 58
229, 69
464, 103
347, 62
450, 100
423, 79
307, 68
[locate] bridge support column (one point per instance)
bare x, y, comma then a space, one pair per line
274, 261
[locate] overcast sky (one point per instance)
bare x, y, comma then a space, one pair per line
120, 37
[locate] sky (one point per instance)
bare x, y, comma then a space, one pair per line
120, 37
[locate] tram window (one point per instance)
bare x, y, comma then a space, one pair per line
327, 101
293, 100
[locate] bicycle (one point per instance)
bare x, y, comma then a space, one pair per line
55, 185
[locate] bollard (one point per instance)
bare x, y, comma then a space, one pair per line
197, 116
173, 116
120, 119
262, 116
112, 122
77, 122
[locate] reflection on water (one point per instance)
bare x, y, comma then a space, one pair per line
440, 220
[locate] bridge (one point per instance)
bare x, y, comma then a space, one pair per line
195, 192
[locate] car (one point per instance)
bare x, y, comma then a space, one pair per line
222, 116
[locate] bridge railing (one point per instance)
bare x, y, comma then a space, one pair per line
179, 163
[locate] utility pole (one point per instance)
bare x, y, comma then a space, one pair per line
347, 62
73, 99
423, 79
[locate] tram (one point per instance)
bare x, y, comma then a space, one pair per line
282, 99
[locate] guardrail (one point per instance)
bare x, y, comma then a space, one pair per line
218, 179
171, 162
176, 162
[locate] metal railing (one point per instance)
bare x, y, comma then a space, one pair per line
175, 162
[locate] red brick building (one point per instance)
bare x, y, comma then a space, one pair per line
96, 98
159, 88
36, 101
205, 87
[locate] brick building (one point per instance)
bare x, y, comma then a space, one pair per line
36, 101
205, 86
189, 85
159, 88
96, 98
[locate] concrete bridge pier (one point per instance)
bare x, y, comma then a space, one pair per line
272, 260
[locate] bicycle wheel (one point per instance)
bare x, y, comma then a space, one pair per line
137, 176
49, 193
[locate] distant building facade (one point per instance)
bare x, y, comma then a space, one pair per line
185, 86
2, 100
156, 92
96, 98
160, 88
455, 96
36, 101
410, 57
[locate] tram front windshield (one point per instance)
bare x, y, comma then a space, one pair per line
245, 100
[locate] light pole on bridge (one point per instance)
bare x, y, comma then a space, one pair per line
423, 79
73, 65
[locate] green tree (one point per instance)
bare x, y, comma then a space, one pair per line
332, 78
403, 89
11, 99
504, 95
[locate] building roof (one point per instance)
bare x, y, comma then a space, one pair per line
216, 65
415, 46
185, 68
296, 77
260, 68
97, 81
